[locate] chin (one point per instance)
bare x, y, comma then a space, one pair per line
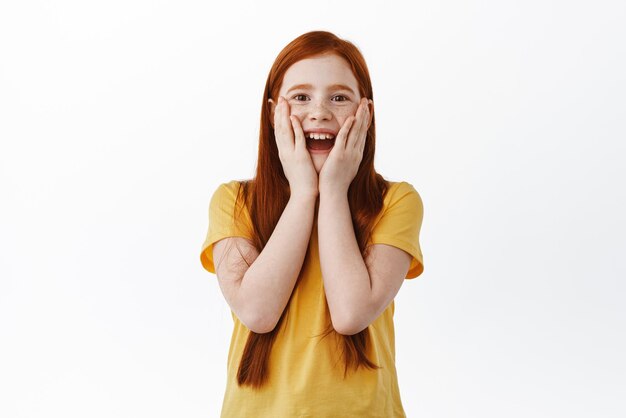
318, 162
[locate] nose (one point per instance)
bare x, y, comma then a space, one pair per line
319, 111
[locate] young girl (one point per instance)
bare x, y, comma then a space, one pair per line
310, 253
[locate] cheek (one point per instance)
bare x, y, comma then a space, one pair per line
296, 112
345, 112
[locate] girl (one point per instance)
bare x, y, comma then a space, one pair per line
323, 244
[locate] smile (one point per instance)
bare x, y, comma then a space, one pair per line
319, 146
319, 136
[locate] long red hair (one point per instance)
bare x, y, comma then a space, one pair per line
266, 195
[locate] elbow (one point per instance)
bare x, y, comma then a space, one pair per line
257, 319
351, 320
260, 324
348, 327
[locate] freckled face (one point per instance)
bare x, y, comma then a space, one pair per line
322, 92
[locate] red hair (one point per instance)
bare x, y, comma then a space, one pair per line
266, 195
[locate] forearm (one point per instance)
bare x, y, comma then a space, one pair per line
269, 281
346, 278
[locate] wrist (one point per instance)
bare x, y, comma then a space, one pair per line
304, 196
333, 192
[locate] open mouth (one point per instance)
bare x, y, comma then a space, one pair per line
319, 141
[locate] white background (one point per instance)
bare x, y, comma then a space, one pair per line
119, 119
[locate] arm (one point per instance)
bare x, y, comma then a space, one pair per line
259, 295
357, 292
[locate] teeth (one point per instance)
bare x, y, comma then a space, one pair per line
318, 136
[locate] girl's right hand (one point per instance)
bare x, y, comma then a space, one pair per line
294, 156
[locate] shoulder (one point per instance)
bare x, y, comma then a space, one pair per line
228, 206
402, 192
228, 191
230, 187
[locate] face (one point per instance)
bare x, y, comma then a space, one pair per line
322, 93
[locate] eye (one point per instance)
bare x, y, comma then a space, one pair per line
299, 95
343, 97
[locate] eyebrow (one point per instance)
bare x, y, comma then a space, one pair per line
331, 87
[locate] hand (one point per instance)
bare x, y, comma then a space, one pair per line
344, 159
294, 156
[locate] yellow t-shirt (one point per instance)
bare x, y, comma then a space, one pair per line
306, 372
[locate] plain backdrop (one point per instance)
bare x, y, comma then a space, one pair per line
119, 119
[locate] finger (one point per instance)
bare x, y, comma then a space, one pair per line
368, 122
284, 134
362, 146
340, 139
362, 133
300, 141
278, 128
277, 111
362, 142
356, 130
289, 135
277, 107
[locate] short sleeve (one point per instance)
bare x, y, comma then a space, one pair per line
225, 220
400, 222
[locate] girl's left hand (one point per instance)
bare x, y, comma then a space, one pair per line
344, 159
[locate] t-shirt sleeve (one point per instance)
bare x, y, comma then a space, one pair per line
225, 220
400, 224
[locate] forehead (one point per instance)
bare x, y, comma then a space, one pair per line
320, 71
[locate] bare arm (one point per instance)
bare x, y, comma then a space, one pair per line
346, 279
258, 294
357, 291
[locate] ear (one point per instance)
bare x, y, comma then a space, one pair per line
272, 108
